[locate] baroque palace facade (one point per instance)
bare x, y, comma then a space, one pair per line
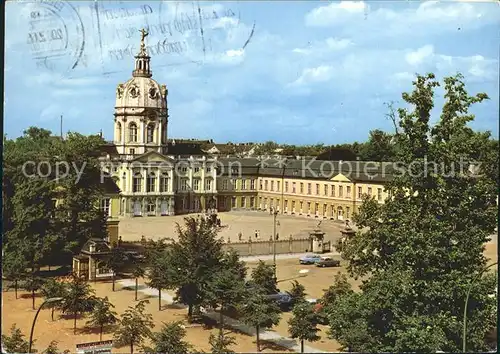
159, 177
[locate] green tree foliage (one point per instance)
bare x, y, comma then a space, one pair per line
134, 326
221, 343
379, 147
297, 292
79, 298
115, 262
138, 271
158, 272
304, 324
102, 315
53, 349
263, 277
425, 244
15, 343
170, 340
227, 288
192, 262
259, 312
32, 284
14, 267
53, 288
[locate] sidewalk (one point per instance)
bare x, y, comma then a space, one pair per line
270, 336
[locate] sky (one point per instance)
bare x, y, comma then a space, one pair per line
289, 71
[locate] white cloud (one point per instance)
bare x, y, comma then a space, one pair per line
320, 73
335, 13
420, 55
325, 46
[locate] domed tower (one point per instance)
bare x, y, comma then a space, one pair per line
141, 113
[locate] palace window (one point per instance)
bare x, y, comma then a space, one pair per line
286, 187
301, 188
379, 194
293, 205
164, 182
266, 185
348, 191
151, 182
136, 183
360, 192
309, 188
132, 151
196, 169
243, 184
252, 202
294, 189
151, 206
233, 202
208, 184
132, 128
277, 186
301, 205
341, 191
224, 184
252, 184
325, 190
209, 169
260, 185
243, 200
370, 192
308, 207
333, 191
233, 183
150, 133
196, 184
118, 132
184, 184
316, 208
106, 206
317, 189
184, 169
272, 186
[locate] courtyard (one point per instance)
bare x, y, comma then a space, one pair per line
234, 222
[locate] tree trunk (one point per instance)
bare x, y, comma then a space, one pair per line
15, 287
131, 347
221, 318
136, 282
190, 313
74, 323
302, 346
49, 267
52, 314
258, 339
33, 297
159, 300
113, 281
100, 333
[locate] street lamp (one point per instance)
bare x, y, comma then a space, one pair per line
48, 301
464, 339
275, 213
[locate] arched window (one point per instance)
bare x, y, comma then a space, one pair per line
150, 133
118, 132
132, 132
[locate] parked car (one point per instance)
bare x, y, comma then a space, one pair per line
328, 262
310, 259
284, 300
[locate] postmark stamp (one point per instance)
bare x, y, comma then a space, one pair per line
56, 35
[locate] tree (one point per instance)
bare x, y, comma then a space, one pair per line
53, 349
102, 315
192, 262
79, 298
297, 293
157, 273
53, 288
33, 284
227, 287
14, 268
304, 323
15, 343
259, 312
424, 245
134, 326
139, 271
170, 340
220, 343
115, 262
263, 277
379, 147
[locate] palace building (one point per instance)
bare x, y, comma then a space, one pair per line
158, 176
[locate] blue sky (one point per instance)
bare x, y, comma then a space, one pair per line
311, 72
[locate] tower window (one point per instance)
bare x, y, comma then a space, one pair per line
118, 132
133, 132
150, 133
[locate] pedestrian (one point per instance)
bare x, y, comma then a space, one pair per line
277, 236
256, 234
240, 236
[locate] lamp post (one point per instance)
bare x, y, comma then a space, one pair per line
275, 213
464, 335
48, 301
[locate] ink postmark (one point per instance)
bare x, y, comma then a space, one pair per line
56, 35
